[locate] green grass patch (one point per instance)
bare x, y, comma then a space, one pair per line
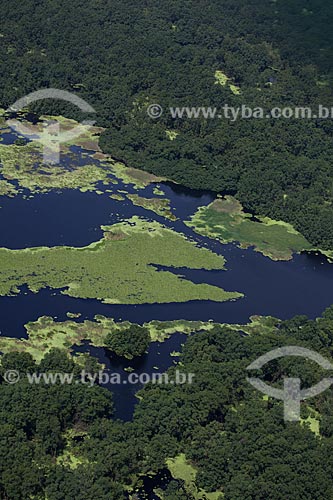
225, 220
71, 458
162, 330
258, 325
158, 191
7, 189
138, 178
117, 197
45, 333
182, 470
223, 80
312, 421
161, 206
119, 268
172, 134
24, 163
73, 315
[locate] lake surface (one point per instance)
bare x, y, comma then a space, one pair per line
282, 289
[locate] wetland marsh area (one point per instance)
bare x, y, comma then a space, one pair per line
91, 246
99, 238
149, 262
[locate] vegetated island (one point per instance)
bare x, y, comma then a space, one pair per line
118, 269
45, 333
161, 206
225, 220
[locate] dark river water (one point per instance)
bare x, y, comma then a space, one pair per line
303, 285
283, 289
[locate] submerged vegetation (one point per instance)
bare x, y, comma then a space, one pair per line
7, 189
23, 164
226, 220
120, 268
161, 206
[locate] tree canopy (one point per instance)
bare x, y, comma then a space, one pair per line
123, 55
129, 343
63, 442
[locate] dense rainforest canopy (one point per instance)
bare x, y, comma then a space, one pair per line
63, 442
122, 55
129, 343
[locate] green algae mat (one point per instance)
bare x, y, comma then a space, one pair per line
121, 268
46, 333
225, 220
